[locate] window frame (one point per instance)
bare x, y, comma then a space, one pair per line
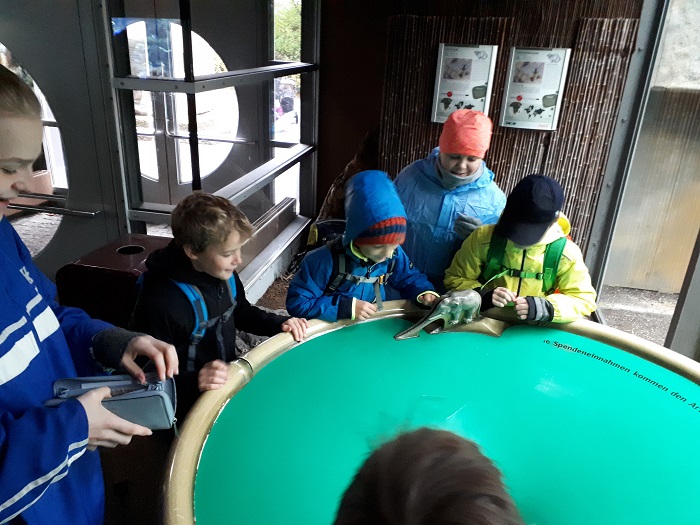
138, 212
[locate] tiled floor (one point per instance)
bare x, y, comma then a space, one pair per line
643, 313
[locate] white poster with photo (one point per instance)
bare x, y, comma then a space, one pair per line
463, 79
535, 84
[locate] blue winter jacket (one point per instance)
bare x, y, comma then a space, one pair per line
370, 198
46, 473
431, 211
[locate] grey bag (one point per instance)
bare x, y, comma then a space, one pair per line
151, 405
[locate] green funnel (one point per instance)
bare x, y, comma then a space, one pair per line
584, 432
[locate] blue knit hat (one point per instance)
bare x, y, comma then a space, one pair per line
373, 210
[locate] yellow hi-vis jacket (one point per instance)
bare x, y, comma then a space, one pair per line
576, 296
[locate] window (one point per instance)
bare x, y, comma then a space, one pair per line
223, 88
155, 49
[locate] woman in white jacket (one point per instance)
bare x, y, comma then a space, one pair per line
449, 193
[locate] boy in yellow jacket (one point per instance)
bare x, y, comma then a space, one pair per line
526, 260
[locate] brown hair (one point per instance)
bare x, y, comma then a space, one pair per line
202, 219
427, 477
16, 98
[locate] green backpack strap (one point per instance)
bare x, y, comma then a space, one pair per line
552, 256
494, 260
494, 263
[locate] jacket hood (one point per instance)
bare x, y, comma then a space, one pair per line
171, 262
370, 198
560, 228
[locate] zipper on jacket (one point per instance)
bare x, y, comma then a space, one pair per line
520, 275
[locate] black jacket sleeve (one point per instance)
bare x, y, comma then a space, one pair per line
254, 320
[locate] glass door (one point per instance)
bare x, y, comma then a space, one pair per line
659, 218
77, 203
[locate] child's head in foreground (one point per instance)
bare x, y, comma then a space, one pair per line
211, 231
375, 217
427, 477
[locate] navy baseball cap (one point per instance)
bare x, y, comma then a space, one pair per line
530, 210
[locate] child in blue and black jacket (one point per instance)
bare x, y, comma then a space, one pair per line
201, 261
346, 279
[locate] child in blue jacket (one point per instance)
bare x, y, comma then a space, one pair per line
49, 469
345, 279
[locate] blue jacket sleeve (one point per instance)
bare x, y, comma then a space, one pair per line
305, 296
408, 280
78, 327
39, 447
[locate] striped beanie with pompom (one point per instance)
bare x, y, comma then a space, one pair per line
373, 210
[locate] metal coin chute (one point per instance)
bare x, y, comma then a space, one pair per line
453, 308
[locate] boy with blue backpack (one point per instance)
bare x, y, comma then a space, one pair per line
192, 297
346, 278
526, 260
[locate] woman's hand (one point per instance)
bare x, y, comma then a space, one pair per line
162, 354
106, 429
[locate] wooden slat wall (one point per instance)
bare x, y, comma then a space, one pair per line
578, 152
575, 154
541, 21
406, 133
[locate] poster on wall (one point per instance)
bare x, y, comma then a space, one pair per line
463, 79
535, 84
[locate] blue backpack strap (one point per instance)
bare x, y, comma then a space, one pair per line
218, 322
201, 319
231, 285
338, 254
390, 269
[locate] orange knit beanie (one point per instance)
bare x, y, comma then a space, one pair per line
466, 132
